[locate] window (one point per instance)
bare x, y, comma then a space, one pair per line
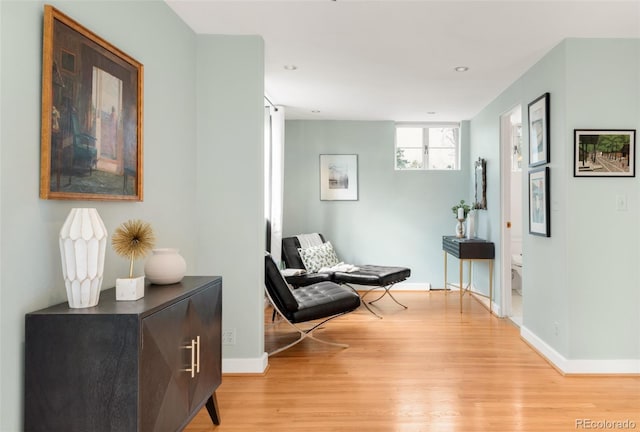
428, 147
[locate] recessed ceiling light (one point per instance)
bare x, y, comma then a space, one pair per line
290, 67
461, 68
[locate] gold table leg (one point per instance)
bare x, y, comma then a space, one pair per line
461, 287
490, 287
446, 286
470, 265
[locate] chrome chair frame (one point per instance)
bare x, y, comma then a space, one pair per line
317, 304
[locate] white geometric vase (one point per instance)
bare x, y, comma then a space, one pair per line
83, 241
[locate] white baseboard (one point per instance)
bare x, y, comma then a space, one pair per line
412, 286
245, 365
587, 367
400, 286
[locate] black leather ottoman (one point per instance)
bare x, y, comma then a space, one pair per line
373, 275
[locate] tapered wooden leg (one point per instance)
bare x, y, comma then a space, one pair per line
490, 287
212, 407
461, 287
446, 285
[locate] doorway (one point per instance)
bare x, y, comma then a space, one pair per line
106, 100
512, 162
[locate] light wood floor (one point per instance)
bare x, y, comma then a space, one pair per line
427, 368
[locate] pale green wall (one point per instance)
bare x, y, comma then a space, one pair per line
584, 278
174, 203
603, 88
231, 236
547, 269
400, 216
31, 277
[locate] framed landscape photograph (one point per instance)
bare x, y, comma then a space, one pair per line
91, 133
338, 177
539, 208
604, 153
539, 131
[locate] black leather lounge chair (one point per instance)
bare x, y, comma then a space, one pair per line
373, 276
321, 301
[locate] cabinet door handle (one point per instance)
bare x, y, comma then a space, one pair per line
191, 347
198, 354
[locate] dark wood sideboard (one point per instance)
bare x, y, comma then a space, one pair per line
144, 365
469, 250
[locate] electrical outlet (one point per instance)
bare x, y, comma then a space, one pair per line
229, 337
621, 202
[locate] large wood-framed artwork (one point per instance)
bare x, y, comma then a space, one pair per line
91, 137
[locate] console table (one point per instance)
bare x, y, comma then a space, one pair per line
468, 250
144, 365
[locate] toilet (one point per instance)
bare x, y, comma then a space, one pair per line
516, 273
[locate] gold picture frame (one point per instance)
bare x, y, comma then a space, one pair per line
91, 136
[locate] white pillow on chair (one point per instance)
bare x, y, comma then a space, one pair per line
316, 257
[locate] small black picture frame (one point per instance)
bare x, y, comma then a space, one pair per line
539, 132
539, 202
604, 153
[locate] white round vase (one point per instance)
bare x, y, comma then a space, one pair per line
83, 241
165, 266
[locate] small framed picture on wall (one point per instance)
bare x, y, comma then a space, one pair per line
604, 153
539, 131
338, 177
539, 208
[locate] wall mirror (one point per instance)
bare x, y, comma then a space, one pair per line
481, 184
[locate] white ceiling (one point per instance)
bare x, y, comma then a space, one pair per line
394, 60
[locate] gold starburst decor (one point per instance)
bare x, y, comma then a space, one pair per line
133, 239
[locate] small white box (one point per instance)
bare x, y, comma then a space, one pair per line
130, 288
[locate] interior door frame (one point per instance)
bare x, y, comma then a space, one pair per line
505, 210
